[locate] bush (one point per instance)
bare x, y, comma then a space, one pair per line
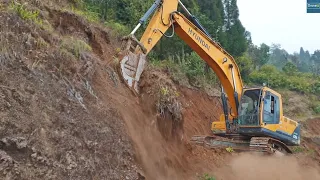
31, 15
316, 88
91, 16
187, 69
24, 13
316, 109
298, 149
193, 65
245, 64
207, 177
290, 69
290, 79
75, 46
117, 28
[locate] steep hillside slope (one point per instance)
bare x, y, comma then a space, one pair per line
53, 125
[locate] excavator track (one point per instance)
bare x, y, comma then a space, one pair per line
260, 144
268, 145
241, 143
212, 142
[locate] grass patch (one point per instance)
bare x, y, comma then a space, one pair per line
2, 7
311, 152
229, 149
24, 13
168, 103
41, 43
207, 177
176, 72
91, 16
298, 149
30, 15
91, 13
118, 29
316, 108
45, 25
74, 46
66, 54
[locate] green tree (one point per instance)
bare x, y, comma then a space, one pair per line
315, 62
245, 65
307, 55
290, 69
213, 18
232, 13
260, 55
264, 54
316, 57
236, 35
302, 54
248, 37
278, 56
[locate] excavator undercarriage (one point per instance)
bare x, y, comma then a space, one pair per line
242, 143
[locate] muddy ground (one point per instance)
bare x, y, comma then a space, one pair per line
65, 113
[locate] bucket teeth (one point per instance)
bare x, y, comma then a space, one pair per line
132, 63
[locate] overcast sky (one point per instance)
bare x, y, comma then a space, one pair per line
281, 21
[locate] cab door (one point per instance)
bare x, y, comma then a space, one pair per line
271, 109
249, 109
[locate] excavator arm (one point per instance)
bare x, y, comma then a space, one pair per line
192, 33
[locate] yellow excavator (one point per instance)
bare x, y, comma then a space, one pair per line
252, 118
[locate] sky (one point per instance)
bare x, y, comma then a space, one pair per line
283, 22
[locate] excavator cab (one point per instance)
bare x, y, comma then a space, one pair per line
259, 106
261, 114
260, 123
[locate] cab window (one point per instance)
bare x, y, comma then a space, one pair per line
271, 109
249, 108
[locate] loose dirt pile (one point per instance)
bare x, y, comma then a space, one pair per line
65, 114
252, 167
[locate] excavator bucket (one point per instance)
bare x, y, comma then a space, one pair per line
132, 62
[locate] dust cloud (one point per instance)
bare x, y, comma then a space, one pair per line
253, 167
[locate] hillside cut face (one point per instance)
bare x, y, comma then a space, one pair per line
53, 124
